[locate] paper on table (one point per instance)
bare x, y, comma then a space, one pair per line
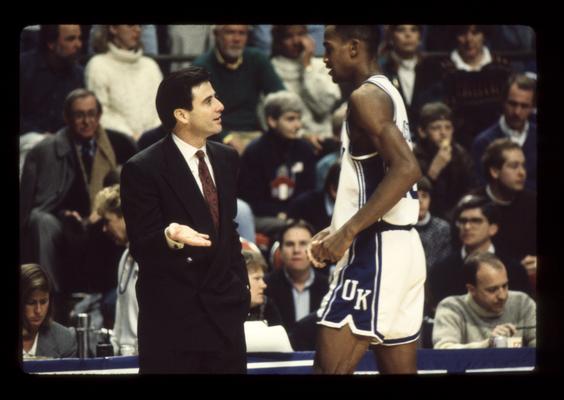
263, 338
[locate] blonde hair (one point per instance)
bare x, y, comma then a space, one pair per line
108, 200
254, 261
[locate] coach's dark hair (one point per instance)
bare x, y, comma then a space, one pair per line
370, 34
472, 263
295, 223
488, 207
493, 155
175, 91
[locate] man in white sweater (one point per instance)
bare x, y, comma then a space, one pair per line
488, 310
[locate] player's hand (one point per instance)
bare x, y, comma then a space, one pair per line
185, 234
332, 247
314, 261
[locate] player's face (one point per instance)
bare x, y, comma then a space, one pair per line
474, 228
293, 249
84, 117
518, 107
439, 131
114, 226
512, 174
257, 284
36, 308
205, 116
491, 288
424, 203
288, 125
406, 39
336, 55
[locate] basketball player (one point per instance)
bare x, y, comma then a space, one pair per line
376, 295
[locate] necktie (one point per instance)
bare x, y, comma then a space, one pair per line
87, 157
210, 192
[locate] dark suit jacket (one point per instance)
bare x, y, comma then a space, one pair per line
195, 298
279, 289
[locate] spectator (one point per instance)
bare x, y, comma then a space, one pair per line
189, 41
316, 206
477, 221
149, 40
41, 336
445, 162
489, 309
306, 75
434, 232
124, 336
297, 289
47, 74
473, 81
262, 307
412, 73
260, 37
278, 166
239, 75
124, 80
504, 163
60, 178
519, 102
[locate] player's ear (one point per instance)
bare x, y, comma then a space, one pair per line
354, 47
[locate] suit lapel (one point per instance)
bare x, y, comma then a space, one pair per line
183, 184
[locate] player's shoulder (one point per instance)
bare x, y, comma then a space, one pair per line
369, 95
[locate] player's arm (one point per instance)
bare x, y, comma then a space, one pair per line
372, 110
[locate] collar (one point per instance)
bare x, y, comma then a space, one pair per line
232, 66
308, 282
426, 219
187, 150
461, 64
128, 56
464, 253
33, 350
518, 137
478, 309
495, 199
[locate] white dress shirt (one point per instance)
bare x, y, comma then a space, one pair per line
189, 153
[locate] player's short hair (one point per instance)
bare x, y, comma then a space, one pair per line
370, 34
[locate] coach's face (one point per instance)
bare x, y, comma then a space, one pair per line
205, 116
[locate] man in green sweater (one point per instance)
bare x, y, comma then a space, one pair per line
239, 74
488, 310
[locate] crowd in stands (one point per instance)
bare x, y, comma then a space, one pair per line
87, 104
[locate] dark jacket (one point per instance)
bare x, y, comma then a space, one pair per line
195, 298
272, 159
281, 291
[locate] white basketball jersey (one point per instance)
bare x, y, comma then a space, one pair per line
362, 173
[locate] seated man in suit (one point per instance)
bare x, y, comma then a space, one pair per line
297, 289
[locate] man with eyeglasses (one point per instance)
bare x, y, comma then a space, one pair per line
60, 178
476, 221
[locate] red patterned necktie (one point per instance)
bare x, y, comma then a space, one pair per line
210, 192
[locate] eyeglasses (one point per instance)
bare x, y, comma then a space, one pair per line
78, 115
460, 222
